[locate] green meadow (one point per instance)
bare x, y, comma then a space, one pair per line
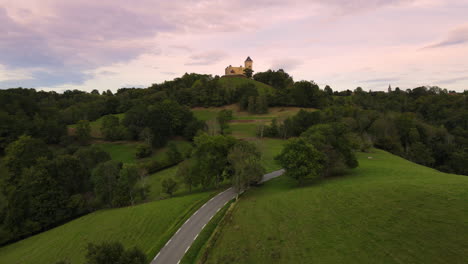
95, 126
388, 210
147, 226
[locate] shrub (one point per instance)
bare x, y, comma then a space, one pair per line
143, 151
113, 253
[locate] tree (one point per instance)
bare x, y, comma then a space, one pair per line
251, 105
210, 157
245, 160
301, 160
113, 253
173, 154
188, 176
169, 186
331, 140
147, 136
105, 178
90, 157
328, 90
110, 128
83, 131
261, 106
126, 191
23, 153
248, 72
223, 117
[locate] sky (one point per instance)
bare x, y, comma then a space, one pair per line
110, 44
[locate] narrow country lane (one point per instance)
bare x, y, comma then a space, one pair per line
178, 245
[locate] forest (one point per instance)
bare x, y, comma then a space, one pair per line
50, 176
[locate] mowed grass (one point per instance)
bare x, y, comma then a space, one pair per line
95, 126
146, 226
388, 210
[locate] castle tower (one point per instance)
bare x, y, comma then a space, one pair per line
248, 63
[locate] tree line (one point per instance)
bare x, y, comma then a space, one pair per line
402, 123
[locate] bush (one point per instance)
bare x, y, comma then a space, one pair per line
113, 253
143, 151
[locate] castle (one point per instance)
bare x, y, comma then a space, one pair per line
239, 70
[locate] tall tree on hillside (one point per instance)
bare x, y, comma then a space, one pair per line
301, 160
245, 160
210, 157
83, 131
223, 117
187, 174
105, 178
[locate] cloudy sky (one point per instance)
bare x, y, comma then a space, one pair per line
109, 44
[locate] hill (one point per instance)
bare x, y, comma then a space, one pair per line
388, 210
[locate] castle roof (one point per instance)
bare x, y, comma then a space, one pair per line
248, 59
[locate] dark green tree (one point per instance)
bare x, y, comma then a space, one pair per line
83, 131
169, 186
301, 160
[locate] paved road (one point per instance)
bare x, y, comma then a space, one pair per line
178, 245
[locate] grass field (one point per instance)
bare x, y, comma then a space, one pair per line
95, 126
235, 82
244, 125
124, 151
388, 210
146, 226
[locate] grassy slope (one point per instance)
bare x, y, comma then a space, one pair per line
388, 210
233, 82
125, 151
144, 226
95, 126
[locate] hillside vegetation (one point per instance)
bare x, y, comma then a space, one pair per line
146, 226
388, 210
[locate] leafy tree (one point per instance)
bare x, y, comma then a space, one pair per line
248, 72
331, 140
90, 157
328, 90
210, 155
147, 135
21, 154
186, 173
111, 129
251, 105
126, 191
105, 179
223, 117
169, 186
173, 154
261, 106
245, 160
83, 131
301, 160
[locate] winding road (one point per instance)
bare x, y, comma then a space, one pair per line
181, 241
